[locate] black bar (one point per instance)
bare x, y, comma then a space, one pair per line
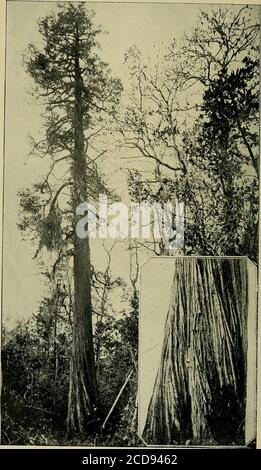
117, 458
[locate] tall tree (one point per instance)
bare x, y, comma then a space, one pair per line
80, 97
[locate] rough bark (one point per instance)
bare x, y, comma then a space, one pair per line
82, 390
199, 392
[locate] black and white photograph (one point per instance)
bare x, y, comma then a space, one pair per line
130, 233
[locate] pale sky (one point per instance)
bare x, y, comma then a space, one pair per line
148, 26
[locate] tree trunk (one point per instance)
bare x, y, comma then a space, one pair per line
199, 391
82, 400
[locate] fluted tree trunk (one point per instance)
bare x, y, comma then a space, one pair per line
200, 389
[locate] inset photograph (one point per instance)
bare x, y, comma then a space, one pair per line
197, 351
